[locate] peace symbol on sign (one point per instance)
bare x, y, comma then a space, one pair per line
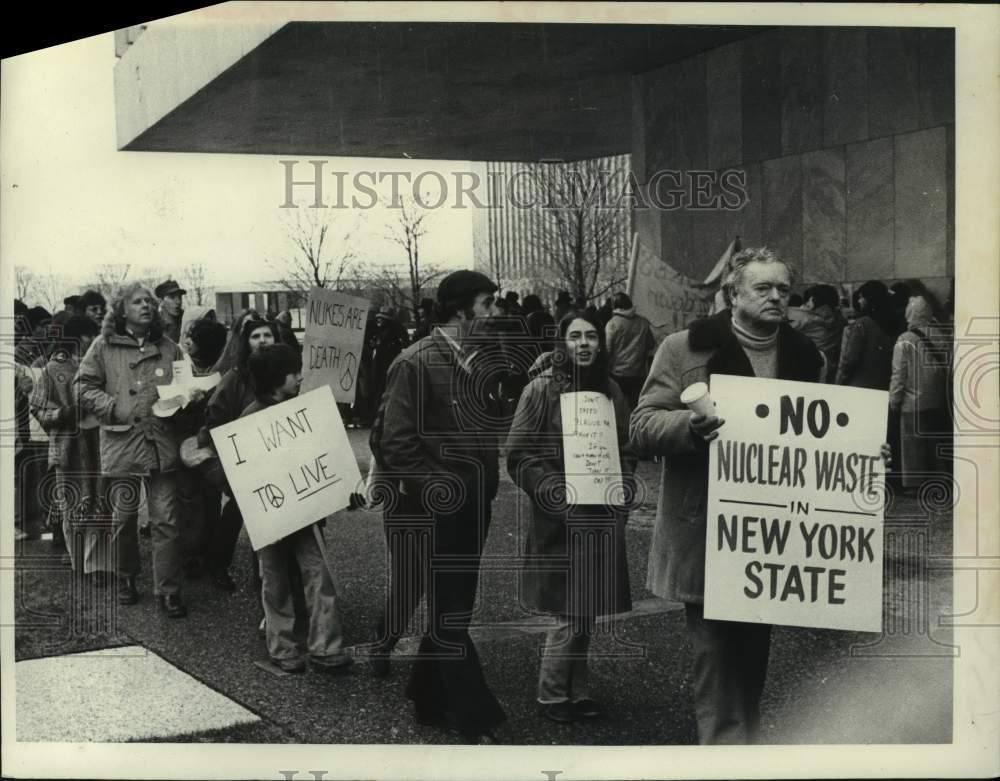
350, 365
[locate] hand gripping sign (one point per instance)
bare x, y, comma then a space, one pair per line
288, 465
331, 348
795, 504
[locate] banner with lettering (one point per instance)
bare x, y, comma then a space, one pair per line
795, 504
664, 296
591, 461
334, 337
288, 465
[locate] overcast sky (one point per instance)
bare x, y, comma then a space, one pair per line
71, 202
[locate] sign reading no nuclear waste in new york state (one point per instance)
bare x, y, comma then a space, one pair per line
795, 504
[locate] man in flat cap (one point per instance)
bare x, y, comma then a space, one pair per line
171, 297
442, 469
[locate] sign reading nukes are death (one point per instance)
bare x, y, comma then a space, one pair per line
331, 347
288, 465
795, 504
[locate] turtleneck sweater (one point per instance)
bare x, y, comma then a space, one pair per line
761, 350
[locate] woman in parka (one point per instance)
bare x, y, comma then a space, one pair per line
575, 564
117, 383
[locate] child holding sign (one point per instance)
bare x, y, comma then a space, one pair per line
277, 374
575, 563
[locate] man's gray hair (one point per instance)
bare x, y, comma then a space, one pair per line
742, 259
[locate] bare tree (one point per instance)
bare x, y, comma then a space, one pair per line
323, 251
407, 226
196, 282
25, 282
109, 279
581, 228
52, 291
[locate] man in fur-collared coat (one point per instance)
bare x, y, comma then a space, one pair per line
730, 658
117, 382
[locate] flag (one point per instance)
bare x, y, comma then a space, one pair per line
664, 296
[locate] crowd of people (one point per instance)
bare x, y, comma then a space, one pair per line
477, 387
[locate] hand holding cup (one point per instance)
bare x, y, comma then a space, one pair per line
704, 423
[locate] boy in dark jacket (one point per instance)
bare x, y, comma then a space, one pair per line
276, 371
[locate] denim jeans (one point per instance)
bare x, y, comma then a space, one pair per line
161, 492
325, 638
563, 673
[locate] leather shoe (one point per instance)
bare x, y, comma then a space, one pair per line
333, 669
587, 709
222, 580
127, 593
173, 605
295, 665
378, 658
561, 712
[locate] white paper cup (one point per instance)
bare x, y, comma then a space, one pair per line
697, 399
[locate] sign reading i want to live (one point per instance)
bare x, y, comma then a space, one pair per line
795, 504
288, 465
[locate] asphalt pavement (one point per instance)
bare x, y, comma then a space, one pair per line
823, 686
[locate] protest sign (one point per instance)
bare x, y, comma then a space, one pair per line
288, 465
331, 349
664, 296
795, 504
591, 460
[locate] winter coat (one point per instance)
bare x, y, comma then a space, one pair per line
117, 383
432, 424
825, 326
575, 561
920, 369
865, 355
659, 426
541, 328
231, 396
55, 405
630, 343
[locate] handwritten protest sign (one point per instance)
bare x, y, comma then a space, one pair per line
591, 460
795, 504
331, 349
288, 465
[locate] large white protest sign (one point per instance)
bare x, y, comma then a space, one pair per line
288, 465
795, 504
331, 349
591, 460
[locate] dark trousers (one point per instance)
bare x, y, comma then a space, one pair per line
221, 537
730, 665
447, 682
408, 534
630, 388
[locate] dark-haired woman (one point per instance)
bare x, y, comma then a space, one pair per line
575, 564
866, 350
232, 395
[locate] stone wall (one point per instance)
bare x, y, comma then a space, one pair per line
845, 136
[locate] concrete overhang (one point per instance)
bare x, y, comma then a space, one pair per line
451, 91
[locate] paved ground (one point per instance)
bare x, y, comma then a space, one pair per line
823, 686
